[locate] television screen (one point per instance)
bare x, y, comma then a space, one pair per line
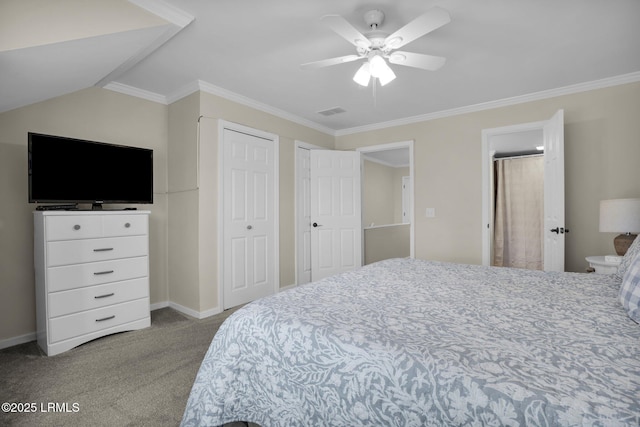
66, 170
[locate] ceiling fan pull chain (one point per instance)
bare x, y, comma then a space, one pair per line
375, 92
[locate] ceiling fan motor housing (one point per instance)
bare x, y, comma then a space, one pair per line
374, 18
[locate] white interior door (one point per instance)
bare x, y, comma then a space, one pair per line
249, 217
554, 227
336, 233
303, 215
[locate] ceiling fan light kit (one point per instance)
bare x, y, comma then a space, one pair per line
376, 47
363, 75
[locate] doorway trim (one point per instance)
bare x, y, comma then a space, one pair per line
487, 179
391, 146
297, 202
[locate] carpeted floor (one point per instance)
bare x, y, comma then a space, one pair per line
138, 378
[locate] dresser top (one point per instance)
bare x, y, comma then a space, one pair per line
89, 212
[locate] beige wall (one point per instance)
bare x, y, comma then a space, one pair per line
27, 23
601, 155
382, 193
378, 197
215, 107
94, 114
602, 148
386, 242
194, 222
183, 270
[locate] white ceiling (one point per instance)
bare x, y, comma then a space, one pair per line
250, 50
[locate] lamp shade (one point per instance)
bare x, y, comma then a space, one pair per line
620, 216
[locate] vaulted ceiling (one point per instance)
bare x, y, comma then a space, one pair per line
251, 50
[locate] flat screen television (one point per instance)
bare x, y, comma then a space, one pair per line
67, 170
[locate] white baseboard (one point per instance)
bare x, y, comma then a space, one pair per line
10, 342
193, 313
159, 305
284, 288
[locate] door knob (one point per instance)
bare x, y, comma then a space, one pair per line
249, 227
315, 224
559, 230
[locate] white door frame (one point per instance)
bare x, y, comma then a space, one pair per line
391, 146
298, 250
222, 125
487, 179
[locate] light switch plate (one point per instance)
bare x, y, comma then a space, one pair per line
431, 213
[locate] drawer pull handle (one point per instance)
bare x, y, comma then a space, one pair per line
76, 227
127, 225
102, 249
105, 295
98, 273
106, 318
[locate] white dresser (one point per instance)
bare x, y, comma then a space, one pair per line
92, 275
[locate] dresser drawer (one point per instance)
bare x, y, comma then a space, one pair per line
65, 327
76, 300
78, 251
95, 273
124, 225
70, 227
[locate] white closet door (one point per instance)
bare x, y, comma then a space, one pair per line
336, 243
249, 217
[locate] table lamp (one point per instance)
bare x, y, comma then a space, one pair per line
620, 216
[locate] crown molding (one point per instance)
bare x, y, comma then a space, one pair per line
200, 85
138, 93
241, 99
551, 93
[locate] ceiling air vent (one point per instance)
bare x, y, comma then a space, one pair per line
332, 111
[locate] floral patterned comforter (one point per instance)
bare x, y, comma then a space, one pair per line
406, 342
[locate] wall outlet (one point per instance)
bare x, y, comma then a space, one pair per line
430, 213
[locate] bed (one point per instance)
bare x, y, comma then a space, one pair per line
407, 342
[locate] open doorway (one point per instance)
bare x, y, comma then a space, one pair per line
520, 142
518, 193
387, 201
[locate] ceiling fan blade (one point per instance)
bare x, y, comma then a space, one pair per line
417, 60
435, 18
344, 29
330, 61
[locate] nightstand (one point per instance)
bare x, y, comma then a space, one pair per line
602, 266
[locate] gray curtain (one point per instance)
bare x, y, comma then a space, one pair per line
518, 238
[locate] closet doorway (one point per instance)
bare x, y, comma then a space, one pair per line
517, 231
249, 237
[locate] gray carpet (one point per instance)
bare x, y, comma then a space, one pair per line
138, 378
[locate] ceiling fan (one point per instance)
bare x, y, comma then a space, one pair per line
376, 45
